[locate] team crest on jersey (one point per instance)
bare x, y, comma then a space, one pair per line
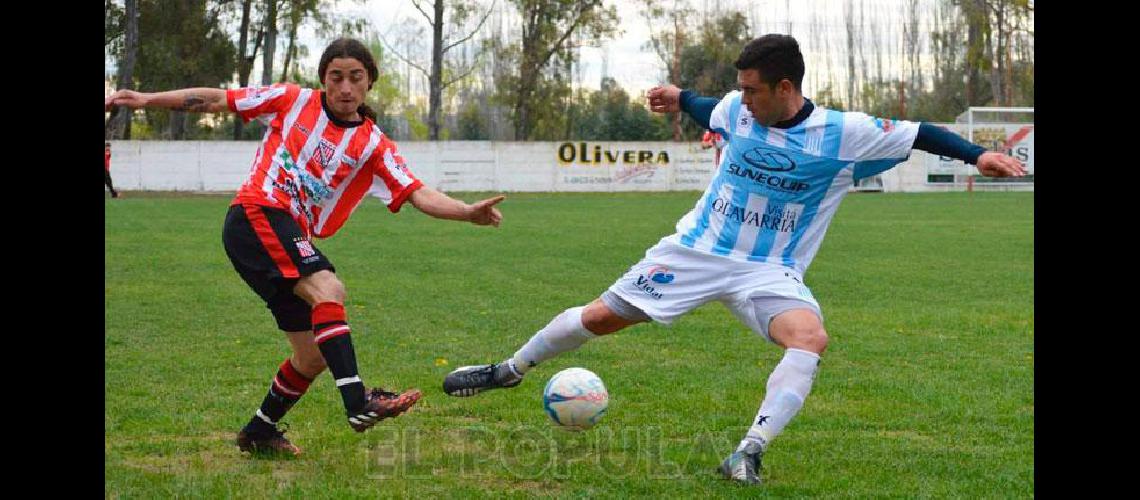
305, 247
325, 150
885, 125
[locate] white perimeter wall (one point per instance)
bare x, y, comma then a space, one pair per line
483, 166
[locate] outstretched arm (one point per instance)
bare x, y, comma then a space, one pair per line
199, 100
938, 140
442, 206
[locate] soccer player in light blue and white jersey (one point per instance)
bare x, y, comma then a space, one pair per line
751, 236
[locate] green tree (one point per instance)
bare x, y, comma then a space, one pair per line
611, 114
669, 40
385, 95
122, 37
442, 76
707, 62
181, 44
546, 24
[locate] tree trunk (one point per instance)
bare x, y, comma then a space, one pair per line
902, 100
850, 56
177, 125
121, 122
522, 111
973, 34
1008, 68
243, 67
289, 53
270, 42
998, 72
436, 79
992, 51
678, 43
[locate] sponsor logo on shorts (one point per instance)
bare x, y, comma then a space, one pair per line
654, 277
660, 274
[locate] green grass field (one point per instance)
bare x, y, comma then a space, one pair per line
926, 389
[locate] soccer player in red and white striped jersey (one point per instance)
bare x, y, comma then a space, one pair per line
322, 152
713, 139
107, 170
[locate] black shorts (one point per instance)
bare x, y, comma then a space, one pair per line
271, 253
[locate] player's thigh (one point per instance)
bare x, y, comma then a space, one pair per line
763, 292
670, 281
271, 254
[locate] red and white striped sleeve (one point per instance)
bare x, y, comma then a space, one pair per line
392, 182
257, 102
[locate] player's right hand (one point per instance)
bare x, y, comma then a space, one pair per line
128, 98
484, 212
664, 99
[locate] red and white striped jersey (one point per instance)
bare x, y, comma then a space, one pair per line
313, 165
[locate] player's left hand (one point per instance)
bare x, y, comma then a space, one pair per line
994, 164
484, 212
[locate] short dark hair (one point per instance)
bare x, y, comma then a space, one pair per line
106, 144
776, 57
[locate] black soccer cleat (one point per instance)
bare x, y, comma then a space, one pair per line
471, 380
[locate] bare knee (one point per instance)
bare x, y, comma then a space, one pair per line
799, 329
814, 340
600, 320
319, 287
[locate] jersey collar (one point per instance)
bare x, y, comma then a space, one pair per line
799, 118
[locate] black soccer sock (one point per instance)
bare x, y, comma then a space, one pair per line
332, 336
287, 388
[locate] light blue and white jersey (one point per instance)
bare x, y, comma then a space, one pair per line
775, 190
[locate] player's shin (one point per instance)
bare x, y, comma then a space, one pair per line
788, 386
332, 334
564, 333
287, 388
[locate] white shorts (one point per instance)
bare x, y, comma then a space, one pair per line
672, 280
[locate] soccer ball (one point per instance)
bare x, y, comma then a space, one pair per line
575, 399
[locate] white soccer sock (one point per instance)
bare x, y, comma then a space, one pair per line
564, 333
788, 386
